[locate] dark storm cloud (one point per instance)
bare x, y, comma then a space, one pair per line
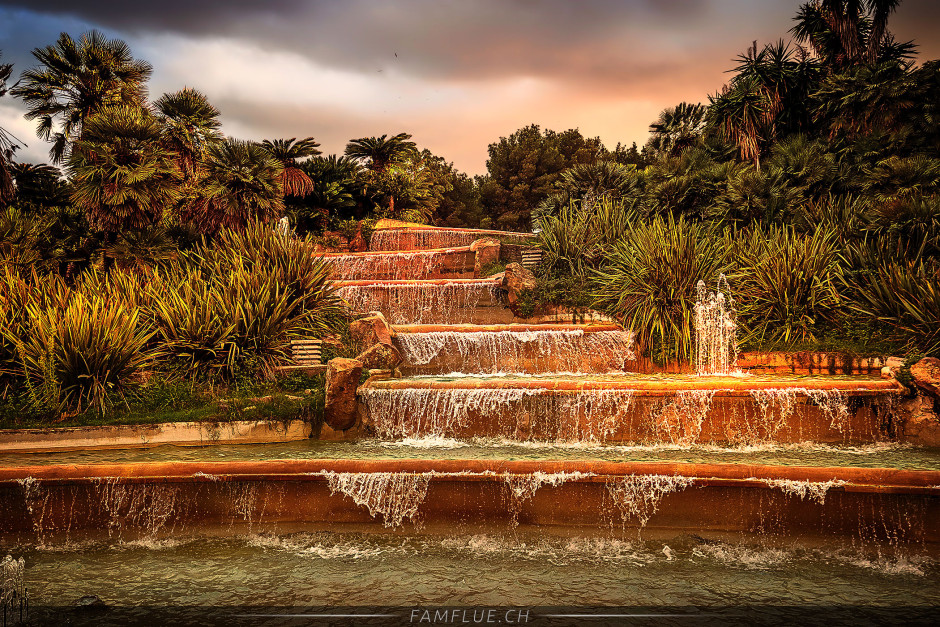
440, 39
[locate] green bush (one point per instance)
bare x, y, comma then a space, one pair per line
785, 283
73, 350
650, 277
902, 293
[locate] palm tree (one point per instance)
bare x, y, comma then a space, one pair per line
677, 128
74, 80
243, 184
846, 33
766, 99
335, 187
7, 146
190, 124
379, 152
291, 153
123, 175
40, 185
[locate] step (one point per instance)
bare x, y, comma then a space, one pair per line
418, 238
867, 505
436, 301
514, 348
444, 263
635, 409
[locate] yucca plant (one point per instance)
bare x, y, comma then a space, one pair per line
650, 277
234, 305
786, 281
303, 276
194, 324
903, 293
80, 355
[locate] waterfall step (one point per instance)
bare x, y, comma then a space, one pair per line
868, 505
443, 263
634, 409
417, 237
431, 301
514, 348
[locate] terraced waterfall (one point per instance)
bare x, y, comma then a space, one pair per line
500, 444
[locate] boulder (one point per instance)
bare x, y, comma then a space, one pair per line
926, 375
921, 425
380, 356
342, 379
517, 280
358, 243
370, 330
487, 253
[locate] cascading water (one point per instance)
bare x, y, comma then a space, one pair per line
493, 352
390, 266
679, 420
812, 490
716, 343
638, 496
416, 239
421, 302
12, 586
419, 412
393, 495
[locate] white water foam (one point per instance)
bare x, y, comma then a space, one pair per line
393, 495
812, 490
550, 351
387, 266
638, 496
420, 303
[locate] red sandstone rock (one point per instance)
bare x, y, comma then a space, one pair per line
342, 379
921, 423
487, 253
926, 375
358, 243
370, 330
517, 280
380, 356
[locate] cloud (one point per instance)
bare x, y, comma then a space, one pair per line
456, 74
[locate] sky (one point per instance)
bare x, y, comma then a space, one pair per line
456, 74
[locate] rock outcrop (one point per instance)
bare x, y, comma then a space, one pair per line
342, 379
370, 330
516, 281
380, 357
487, 253
926, 375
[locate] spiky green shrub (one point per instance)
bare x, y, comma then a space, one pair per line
650, 277
230, 308
291, 265
577, 235
194, 326
903, 293
786, 282
72, 350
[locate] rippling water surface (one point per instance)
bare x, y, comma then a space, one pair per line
325, 569
882, 455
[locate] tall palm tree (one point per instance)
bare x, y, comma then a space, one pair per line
381, 152
291, 153
845, 33
7, 145
243, 184
123, 175
766, 99
190, 124
75, 79
677, 128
